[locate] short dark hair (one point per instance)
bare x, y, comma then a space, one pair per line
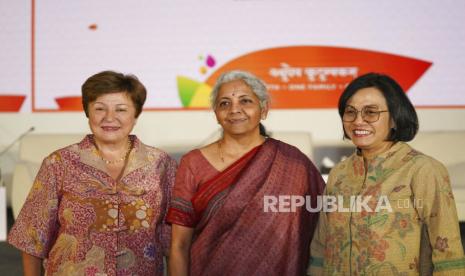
401, 110
107, 82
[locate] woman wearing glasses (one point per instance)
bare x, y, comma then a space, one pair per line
400, 216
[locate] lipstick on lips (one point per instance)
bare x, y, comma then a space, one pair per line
236, 121
110, 128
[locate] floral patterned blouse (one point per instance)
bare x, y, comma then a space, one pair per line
83, 222
409, 228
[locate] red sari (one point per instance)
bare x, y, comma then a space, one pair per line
232, 233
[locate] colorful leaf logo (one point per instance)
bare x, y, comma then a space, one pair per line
193, 94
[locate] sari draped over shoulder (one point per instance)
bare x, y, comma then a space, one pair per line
233, 234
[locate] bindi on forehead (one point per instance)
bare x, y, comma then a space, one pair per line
236, 92
239, 92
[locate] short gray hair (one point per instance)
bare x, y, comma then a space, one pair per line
257, 85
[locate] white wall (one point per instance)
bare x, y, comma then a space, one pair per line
174, 127
181, 128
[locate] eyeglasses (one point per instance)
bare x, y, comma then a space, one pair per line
369, 114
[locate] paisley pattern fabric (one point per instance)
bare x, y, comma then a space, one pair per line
83, 222
414, 230
233, 234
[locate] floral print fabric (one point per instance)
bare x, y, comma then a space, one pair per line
417, 236
83, 222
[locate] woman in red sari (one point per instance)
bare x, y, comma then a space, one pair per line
220, 226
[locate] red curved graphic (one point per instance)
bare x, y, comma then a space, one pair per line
315, 76
11, 103
71, 103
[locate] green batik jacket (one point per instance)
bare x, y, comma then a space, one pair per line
409, 228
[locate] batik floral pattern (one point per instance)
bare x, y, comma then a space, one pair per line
387, 242
83, 222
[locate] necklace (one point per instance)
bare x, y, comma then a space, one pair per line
220, 152
123, 158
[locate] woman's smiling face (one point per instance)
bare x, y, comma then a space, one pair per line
370, 137
238, 109
112, 117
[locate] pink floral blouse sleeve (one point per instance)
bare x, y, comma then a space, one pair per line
36, 226
168, 181
436, 208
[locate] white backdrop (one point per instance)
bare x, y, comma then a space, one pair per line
160, 40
